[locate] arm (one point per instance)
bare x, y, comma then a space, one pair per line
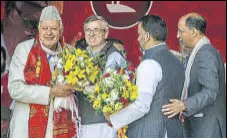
149, 74
207, 75
18, 89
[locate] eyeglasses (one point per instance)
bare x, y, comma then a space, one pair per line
180, 31
95, 31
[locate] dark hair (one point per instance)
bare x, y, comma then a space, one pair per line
155, 26
113, 40
199, 23
3, 51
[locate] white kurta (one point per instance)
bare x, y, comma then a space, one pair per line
23, 94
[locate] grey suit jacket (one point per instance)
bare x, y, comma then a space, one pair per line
206, 105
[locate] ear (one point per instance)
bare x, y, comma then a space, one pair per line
194, 32
147, 36
106, 34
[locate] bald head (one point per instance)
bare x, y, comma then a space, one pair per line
194, 20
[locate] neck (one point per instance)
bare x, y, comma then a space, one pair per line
196, 40
151, 44
53, 48
50, 51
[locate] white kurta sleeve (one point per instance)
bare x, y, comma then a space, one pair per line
18, 89
149, 74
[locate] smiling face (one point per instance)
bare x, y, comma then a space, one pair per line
184, 34
95, 34
49, 33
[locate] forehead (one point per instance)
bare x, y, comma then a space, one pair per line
181, 23
54, 23
140, 27
94, 24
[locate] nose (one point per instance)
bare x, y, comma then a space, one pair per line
138, 38
92, 32
49, 31
178, 35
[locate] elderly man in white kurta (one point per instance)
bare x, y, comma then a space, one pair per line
30, 74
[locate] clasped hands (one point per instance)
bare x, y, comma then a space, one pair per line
61, 90
173, 108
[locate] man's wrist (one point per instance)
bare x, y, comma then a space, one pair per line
184, 106
109, 123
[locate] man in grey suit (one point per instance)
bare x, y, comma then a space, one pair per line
202, 104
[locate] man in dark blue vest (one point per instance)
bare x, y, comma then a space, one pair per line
160, 76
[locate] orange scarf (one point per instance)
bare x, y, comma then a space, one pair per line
37, 71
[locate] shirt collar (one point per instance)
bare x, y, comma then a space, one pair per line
163, 43
48, 51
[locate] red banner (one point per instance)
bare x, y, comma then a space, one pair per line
75, 12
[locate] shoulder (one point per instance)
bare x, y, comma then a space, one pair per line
150, 69
208, 58
207, 52
24, 46
149, 63
22, 50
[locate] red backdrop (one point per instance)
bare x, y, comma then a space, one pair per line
75, 13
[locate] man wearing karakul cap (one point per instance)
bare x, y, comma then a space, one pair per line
30, 74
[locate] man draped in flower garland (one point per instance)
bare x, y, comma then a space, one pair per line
30, 75
96, 31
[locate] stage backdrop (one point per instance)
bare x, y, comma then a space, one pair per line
75, 13
122, 16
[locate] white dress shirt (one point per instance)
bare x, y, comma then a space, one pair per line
149, 74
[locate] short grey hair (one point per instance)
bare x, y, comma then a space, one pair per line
97, 18
197, 22
51, 13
